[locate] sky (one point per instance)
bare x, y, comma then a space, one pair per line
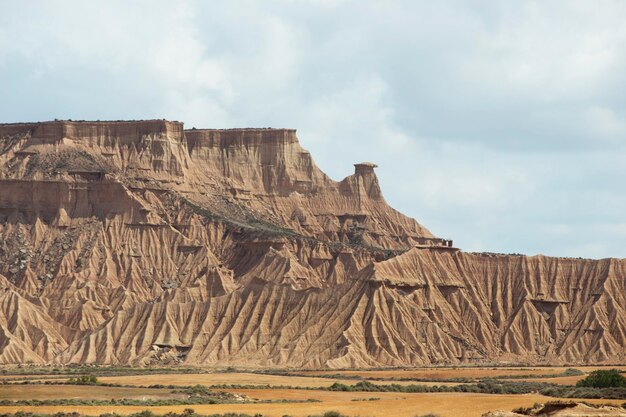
499, 124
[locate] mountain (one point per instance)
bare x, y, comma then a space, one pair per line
139, 242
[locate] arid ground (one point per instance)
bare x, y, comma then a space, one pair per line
294, 394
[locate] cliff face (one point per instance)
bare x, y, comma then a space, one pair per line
142, 243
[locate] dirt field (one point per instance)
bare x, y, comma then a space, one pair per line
446, 373
389, 405
350, 403
224, 378
564, 380
51, 392
242, 379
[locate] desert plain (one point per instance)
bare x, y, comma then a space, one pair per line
295, 393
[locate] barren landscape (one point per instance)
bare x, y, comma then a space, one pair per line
276, 395
132, 250
143, 243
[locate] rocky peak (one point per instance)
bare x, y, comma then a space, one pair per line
365, 168
367, 182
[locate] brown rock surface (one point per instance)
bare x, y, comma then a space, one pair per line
563, 409
142, 243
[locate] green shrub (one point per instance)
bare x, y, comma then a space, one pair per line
333, 414
339, 387
573, 372
603, 379
84, 380
144, 413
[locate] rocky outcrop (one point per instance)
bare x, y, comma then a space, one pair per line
562, 409
143, 243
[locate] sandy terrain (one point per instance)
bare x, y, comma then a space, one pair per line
390, 405
244, 379
224, 378
50, 392
350, 403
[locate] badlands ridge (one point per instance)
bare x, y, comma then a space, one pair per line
143, 243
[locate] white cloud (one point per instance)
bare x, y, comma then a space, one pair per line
605, 122
550, 52
500, 125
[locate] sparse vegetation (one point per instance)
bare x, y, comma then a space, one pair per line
567, 372
603, 379
98, 370
491, 387
126, 393
84, 380
366, 399
140, 403
486, 386
460, 379
331, 414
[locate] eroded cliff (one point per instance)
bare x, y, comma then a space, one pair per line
142, 243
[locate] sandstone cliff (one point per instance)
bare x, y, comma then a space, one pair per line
143, 243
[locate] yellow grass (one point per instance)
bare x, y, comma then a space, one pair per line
18, 378
51, 392
439, 373
390, 405
564, 380
445, 373
224, 378
244, 379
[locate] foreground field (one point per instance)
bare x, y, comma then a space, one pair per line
393, 404
390, 405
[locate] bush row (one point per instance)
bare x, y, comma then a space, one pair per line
492, 387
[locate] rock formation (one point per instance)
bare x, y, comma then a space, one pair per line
562, 409
142, 243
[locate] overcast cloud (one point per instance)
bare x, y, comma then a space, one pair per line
500, 124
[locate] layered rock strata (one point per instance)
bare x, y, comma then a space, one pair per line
143, 243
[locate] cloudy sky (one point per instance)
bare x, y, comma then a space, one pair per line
500, 124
